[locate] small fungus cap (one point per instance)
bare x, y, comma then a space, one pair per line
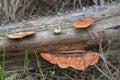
83, 24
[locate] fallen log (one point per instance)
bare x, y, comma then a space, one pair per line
105, 28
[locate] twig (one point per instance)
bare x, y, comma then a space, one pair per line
76, 51
13, 71
70, 78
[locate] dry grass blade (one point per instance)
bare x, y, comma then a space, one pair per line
70, 78
13, 9
6, 9
95, 2
27, 5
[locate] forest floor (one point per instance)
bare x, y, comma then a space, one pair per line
108, 67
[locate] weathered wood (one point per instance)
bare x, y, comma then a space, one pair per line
106, 27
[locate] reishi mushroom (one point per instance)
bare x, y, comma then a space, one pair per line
77, 61
83, 24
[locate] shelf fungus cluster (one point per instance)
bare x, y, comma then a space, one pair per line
79, 61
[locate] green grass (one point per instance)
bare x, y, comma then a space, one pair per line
26, 65
42, 77
3, 60
103, 74
2, 67
2, 73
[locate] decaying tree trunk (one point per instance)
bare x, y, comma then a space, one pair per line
105, 28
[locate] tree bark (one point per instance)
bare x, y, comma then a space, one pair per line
105, 28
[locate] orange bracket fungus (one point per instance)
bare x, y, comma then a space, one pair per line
78, 61
20, 34
49, 57
83, 24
